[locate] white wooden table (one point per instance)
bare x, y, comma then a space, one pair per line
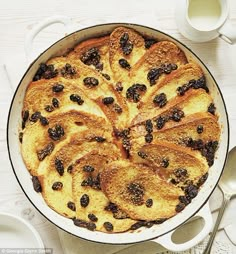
18, 17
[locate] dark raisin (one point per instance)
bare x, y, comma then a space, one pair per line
90, 82
184, 200
124, 39
57, 88
125, 44
165, 162
44, 121
119, 87
111, 207
135, 189
71, 206
211, 109
149, 202
160, 100
91, 56
202, 180
200, 83
87, 182
76, 98
148, 138
106, 76
133, 91
49, 108
200, 129
59, 166
55, 102
107, 100
56, 133
45, 71
57, 186
84, 224
208, 151
23, 125
180, 90
137, 225
124, 64
180, 172
36, 184
191, 191
96, 183
174, 181
117, 108
100, 139
149, 224
149, 42
35, 116
108, 226
88, 168
153, 75
84, 200
25, 115
194, 144
45, 152
92, 217
149, 126
99, 66
161, 120
174, 66
179, 207
68, 71
91, 226
177, 114
159, 221
167, 69
142, 155
70, 168
21, 137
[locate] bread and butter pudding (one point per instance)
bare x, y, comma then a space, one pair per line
120, 132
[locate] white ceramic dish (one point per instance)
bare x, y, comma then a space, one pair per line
15, 232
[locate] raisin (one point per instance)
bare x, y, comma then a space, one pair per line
21, 137
149, 202
71, 206
200, 83
148, 138
174, 66
161, 120
174, 181
55, 102
25, 115
59, 166
167, 69
99, 66
142, 155
56, 133
90, 82
119, 87
106, 76
125, 44
91, 57
117, 108
191, 191
68, 71
124, 39
84, 224
179, 207
153, 75
45, 152
137, 225
149, 224
208, 151
84, 200
45, 71
149, 42
96, 183
100, 139
136, 191
199, 129
44, 121
35, 116
91, 226
107, 100
195, 144
184, 200
159, 221
70, 168
49, 108
57, 186
108, 226
111, 207
124, 64
87, 182
165, 163
36, 184
211, 109
149, 126
133, 91
92, 217
180, 172
57, 88
177, 114
180, 91
88, 168
76, 98
202, 180
160, 100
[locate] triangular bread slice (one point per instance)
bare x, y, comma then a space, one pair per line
123, 181
98, 203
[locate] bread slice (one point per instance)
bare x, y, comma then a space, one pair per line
137, 49
36, 137
130, 186
98, 203
165, 158
94, 53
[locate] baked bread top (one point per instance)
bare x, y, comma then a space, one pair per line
120, 132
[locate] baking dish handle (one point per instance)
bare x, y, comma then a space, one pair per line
166, 240
66, 21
